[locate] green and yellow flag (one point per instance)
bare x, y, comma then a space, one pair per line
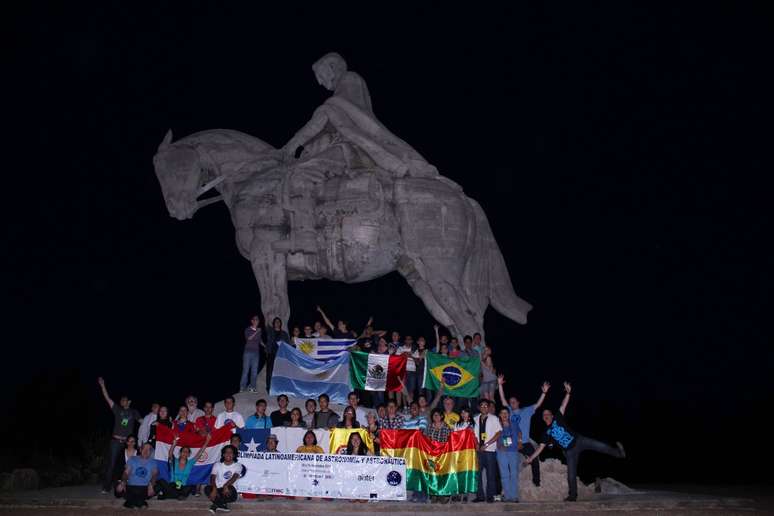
460, 374
438, 469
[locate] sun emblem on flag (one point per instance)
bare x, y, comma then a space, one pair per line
306, 346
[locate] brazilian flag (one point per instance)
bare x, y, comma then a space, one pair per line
460, 374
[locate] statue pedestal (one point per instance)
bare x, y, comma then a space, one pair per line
245, 401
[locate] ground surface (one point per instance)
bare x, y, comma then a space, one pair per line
86, 501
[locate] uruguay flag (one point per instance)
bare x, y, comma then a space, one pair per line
200, 474
324, 348
300, 376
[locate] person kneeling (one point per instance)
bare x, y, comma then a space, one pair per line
225, 473
136, 484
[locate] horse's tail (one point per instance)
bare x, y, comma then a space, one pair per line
486, 277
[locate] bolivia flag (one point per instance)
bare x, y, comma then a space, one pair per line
438, 469
372, 372
200, 474
460, 374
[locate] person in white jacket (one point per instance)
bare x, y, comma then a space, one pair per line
144, 432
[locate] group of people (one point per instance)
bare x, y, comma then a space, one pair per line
264, 342
505, 444
503, 436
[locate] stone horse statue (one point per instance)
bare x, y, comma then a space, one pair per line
369, 214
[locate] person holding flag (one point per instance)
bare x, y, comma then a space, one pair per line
180, 470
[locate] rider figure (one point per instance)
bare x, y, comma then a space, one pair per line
342, 135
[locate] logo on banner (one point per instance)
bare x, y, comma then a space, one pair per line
394, 478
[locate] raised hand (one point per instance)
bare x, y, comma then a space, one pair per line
567, 387
101, 381
435, 327
318, 308
370, 321
501, 379
545, 387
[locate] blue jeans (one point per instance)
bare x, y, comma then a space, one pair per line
487, 462
509, 462
250, 364
411, 383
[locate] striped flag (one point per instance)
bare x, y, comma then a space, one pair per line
323, 348
200, 474
300, 376
439, 469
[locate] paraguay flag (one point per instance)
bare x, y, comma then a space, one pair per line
297, 375
324, 348
200, 474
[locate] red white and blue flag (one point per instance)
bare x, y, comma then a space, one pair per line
200, 474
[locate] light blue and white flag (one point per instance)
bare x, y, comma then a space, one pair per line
300, 376
324, 348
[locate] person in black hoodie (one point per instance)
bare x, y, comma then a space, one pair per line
274, 335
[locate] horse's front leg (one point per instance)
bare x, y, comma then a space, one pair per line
270, 270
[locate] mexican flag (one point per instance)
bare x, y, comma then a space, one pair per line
460, 374
438, 469
372, 372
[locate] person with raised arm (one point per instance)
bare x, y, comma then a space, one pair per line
125, 419
369, 338
521, 418
425, 410
180, 470
571, 443
341, 330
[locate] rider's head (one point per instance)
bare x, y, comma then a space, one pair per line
329, 70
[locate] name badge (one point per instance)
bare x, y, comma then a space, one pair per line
483, 436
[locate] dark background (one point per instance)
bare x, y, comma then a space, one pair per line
621, 153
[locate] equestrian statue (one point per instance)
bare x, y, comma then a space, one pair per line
347, 200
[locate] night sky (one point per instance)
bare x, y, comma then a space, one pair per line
620, 154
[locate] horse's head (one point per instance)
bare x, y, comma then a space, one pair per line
179, 170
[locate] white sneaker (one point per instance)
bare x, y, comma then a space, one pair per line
498, 498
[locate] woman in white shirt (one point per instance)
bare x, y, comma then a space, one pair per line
225, 473
465, 420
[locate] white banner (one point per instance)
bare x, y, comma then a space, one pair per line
363, 477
